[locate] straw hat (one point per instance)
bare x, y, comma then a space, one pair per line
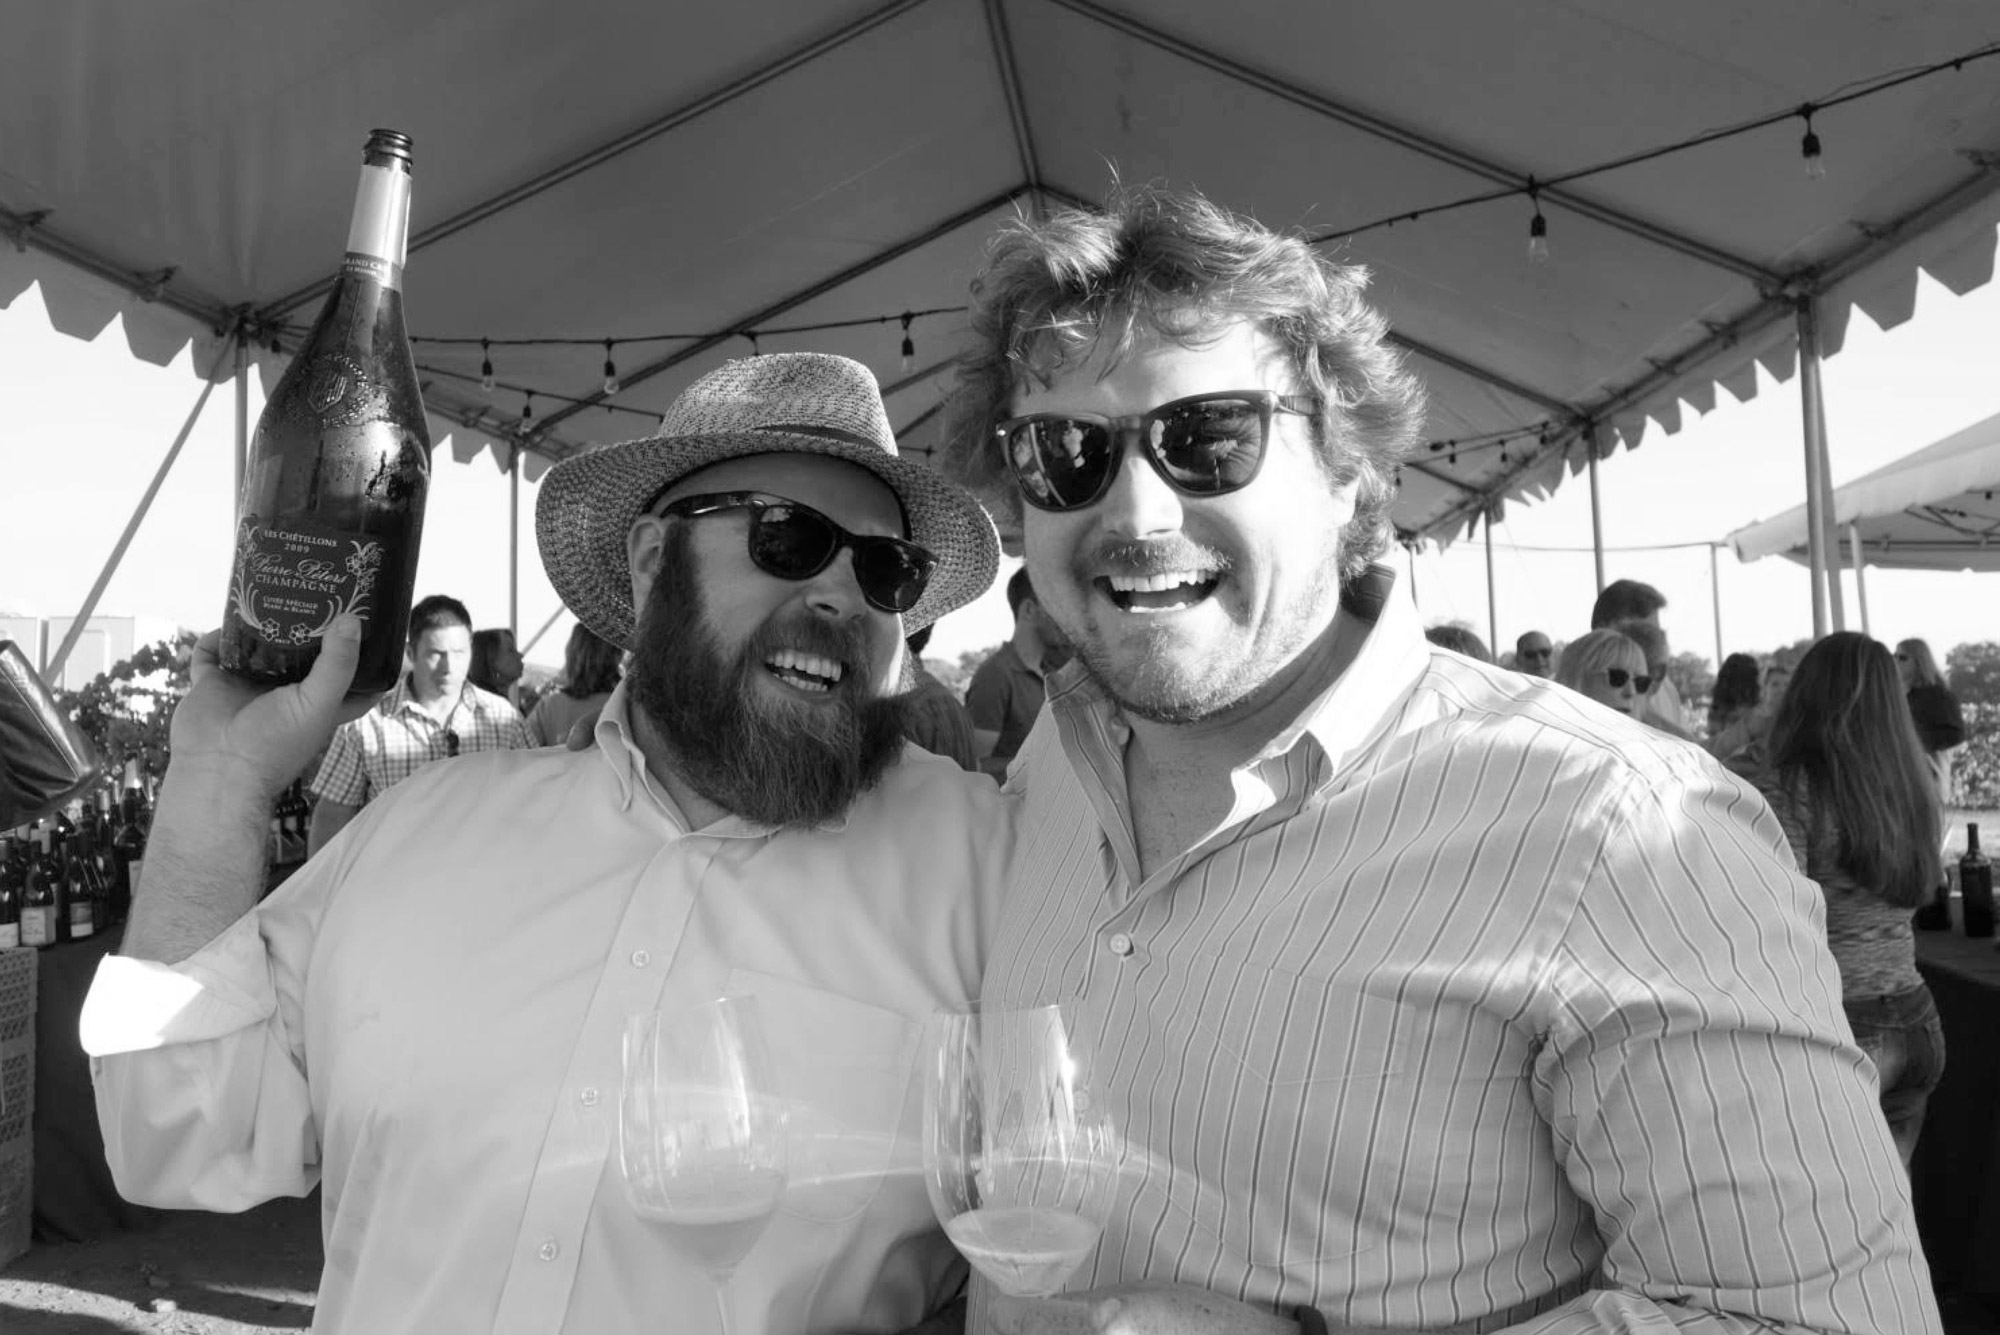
785, 403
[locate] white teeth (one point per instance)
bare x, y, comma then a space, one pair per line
1172, 579
810, 665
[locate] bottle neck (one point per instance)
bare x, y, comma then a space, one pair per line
378, 237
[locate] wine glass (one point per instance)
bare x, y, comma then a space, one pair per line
702, 1133
1020, 1156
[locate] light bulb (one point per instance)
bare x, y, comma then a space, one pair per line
1538, 238
1809, 147
610, 371
486, 367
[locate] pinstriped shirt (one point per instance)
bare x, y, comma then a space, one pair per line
1485, 1007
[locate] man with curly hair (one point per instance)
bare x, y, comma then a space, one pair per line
1425, 995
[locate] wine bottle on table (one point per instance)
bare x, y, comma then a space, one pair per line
38, 898
12, 876
333, 491
128, 843
1975, 885
79, 887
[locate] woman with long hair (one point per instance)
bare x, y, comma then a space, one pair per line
1846, 776
496, 663
1738, 690
590, 671
1607, 666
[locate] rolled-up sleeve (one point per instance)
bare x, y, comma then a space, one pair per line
199, 1067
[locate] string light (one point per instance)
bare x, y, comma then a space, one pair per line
1809, 147
527, 408
486, 366
610, 371
1538, 227
909, 344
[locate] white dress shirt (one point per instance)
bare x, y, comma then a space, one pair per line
1485, 1007
427, 1020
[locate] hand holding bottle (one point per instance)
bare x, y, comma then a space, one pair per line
231, 730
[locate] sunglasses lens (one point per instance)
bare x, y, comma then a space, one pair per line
1210, 446
1060, 462
1643, 685
1617, 677
450, 743
892, 574
792, 542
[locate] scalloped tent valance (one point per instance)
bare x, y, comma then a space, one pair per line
602, 170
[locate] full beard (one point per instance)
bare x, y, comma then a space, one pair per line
773, 762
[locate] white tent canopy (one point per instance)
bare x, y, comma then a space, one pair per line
1931, 510
600, 170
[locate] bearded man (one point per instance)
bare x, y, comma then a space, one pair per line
426, 1019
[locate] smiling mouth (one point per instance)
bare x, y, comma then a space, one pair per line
814, 674
1168, 591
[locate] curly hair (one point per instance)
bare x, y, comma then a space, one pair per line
1052, 294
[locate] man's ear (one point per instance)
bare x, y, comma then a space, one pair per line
645, 546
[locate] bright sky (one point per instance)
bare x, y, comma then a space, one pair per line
87, 424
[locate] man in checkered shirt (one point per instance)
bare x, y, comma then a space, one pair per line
432, 714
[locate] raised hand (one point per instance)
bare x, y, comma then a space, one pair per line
262, 736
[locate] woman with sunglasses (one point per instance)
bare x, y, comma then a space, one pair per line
1847, 779
1609, 667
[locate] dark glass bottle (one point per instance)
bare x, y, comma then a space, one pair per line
1975, 885
79, 888
333, 492
39, 909
128, 843
13, 875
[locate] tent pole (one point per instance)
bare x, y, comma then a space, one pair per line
242, 411
514, 543
52, 674
1813, 397
1596, 515
1860, 580
1815, 497
1492, 595
1715, 600
537, 637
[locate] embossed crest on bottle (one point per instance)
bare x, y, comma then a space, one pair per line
333, 493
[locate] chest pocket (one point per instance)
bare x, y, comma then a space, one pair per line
845, 1068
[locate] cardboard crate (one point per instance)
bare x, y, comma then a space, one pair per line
17, 1100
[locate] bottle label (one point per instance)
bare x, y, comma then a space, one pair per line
38, 926
292, 579
10, 935
376, 239
81, 923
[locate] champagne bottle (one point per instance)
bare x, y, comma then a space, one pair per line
79, 889
333, 491
1975, 885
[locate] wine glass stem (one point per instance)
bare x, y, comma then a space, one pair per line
725, 1308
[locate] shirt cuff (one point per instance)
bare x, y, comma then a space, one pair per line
137, 1005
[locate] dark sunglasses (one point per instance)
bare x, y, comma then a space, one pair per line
1202, 445
794, 541
450, 742
1641, 683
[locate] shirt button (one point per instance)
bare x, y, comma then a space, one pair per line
640, 959
1121, 944
549, 1250
589, 1096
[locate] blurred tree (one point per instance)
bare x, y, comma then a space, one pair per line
1693, 676
125, 709
1972, 671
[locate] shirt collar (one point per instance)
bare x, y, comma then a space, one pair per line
403, 697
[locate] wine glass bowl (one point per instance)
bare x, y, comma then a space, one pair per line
1020, 1156
702, 1137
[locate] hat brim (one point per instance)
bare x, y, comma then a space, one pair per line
588, 504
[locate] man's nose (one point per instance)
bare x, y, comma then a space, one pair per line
1139, 502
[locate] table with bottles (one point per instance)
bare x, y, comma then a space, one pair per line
65, 885
1955, 1176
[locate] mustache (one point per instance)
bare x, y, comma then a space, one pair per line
1158, 556
845, 642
